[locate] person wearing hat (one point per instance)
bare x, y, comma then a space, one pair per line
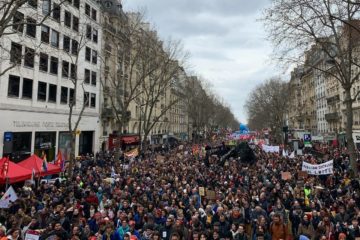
94, 223
306, 229
132, 229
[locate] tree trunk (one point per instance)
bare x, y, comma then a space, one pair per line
72, 156
118, 143
144, 142
349, 129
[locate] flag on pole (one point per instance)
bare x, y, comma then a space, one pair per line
284, 153
292, 155
33, 175
60, 160
132, 153
8, 197
44, 166
5, 167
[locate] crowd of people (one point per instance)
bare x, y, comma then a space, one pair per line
167, 196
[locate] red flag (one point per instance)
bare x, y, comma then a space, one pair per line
5, 167
58, 159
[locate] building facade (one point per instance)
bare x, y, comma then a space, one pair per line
59, 65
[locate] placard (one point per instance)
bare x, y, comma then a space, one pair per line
202, 191
210, 194
285, 176
302, 174
32, 235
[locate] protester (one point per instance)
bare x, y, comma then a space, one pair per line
187, 195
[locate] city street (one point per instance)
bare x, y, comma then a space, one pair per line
179, 120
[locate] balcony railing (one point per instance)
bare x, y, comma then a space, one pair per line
332, 116
333, 99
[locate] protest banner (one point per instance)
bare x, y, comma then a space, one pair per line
271, 149
318, 169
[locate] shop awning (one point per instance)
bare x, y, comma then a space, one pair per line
130, 139
15, 173
36, 163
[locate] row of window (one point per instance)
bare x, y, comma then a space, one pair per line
31, 27
47, 92
46, 7
67, 70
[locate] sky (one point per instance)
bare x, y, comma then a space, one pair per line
226, 42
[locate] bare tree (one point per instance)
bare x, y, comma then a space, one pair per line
198, 106
80, 99
160, 67
206, 111
333, 26
123, 85
267, 105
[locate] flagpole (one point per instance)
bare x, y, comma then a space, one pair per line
7, 183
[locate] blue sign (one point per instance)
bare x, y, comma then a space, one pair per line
307, 137
8, 136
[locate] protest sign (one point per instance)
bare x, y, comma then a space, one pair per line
271, 149
202, 191
285, 176
302, 174
318, 169
9, 197
210, 194
32, 235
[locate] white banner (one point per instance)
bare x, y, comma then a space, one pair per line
32, 236
271, 149
318, 169
9, 196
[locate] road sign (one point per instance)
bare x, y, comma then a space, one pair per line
307, 137
8, 136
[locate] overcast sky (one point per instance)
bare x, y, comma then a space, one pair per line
227, 44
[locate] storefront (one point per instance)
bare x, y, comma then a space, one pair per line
86, 142
23, 133
126, 141
17, 145
45, 143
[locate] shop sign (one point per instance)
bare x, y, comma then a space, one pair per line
46, 125
8, 136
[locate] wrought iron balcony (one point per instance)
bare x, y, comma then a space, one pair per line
332, 116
